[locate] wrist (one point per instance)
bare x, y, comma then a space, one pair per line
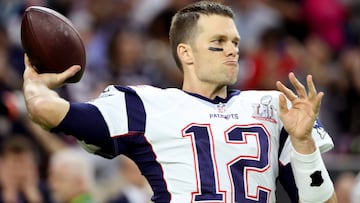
311, 177
303, 146
34, 88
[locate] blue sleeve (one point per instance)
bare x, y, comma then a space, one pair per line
85, 122
286, 179
286, 176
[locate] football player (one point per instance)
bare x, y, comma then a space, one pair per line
204, 142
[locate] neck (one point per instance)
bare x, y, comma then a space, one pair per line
208, 91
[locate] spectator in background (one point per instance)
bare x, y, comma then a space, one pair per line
9, 80
347, 89
355, 191
270, 62
8, 76
125, 65
145, 11
126, 59
19, 173
318, 61
292, 20
353, 22
326, 19
96, 21
158, 49
104, 169
343, 186
71, 177
253, 17
101, 19
135, 187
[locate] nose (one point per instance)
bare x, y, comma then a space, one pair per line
232, 50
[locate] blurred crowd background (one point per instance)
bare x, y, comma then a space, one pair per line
127, 43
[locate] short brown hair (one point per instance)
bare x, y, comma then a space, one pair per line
183, 24
18, 144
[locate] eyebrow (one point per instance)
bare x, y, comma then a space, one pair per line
225, 36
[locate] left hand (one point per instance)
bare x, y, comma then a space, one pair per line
299, 119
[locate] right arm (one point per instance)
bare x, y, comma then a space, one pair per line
44, 105
84, 121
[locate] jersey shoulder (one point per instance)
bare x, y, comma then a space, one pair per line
141, 90
259, 93
261, 97
151, 95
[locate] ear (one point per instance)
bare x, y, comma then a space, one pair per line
185, 54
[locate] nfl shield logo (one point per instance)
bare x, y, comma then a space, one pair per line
221, 108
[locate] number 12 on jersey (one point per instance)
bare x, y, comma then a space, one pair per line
208, 185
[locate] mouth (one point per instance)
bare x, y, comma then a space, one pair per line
232, 67
231, 63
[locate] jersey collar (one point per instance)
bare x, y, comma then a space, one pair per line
216, 100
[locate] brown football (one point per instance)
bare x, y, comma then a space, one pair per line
51, 42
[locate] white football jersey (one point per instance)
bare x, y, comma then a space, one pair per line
193, 149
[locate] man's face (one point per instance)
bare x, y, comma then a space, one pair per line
18, 168
216, 67
61, 182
